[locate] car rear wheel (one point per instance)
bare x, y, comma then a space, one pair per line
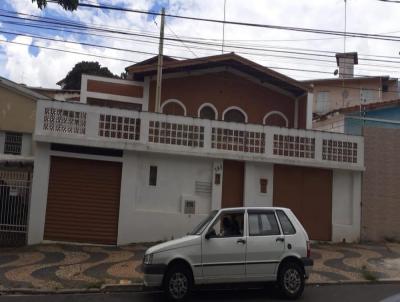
178, 283
291, 280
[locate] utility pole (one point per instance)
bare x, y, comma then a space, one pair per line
160, 63
223, 28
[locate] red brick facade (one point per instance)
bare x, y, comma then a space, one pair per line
224, 90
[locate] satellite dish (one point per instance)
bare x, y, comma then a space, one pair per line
336, 72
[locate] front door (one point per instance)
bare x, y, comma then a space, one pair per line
232, 184
224, 252
265, 245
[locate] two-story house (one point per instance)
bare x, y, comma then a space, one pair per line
332, 95
118, 167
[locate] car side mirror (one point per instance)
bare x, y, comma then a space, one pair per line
210, 234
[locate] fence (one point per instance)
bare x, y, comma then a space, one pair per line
14, 204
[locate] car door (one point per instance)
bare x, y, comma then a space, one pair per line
224, 248
265, 245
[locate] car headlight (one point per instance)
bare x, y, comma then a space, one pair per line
148, 259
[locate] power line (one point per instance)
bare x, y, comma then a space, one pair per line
205, 60
140, 52
275, 49
68, 51
259, 25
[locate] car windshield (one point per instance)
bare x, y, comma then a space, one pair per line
202, 225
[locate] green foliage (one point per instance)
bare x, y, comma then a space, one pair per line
73, 78
66, 4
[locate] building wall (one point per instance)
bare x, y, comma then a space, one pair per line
223, 90
381, 190
149, 214
17, 112
346, 206
353, 88
380, 118
159, 207
335, 123
252, 195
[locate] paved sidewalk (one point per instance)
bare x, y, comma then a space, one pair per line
60, 266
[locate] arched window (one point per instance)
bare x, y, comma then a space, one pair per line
234, 114
208, 111
173, 107
276, 118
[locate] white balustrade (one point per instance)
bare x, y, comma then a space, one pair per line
67, 122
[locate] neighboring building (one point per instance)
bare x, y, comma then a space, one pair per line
17, 123
333, 94
380, 125
377, 115
114, 169
58, 94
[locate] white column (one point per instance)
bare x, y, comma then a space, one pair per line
127, 223
310, 98
38, 202
144, 128
216, 195
92, 124
26, 147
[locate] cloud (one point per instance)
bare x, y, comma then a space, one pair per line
370, 16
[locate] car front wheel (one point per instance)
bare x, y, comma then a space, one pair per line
291, 280
178, 283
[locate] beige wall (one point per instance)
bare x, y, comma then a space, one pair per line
17, 112
335, 89
381, 190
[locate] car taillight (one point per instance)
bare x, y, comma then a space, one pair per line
308, 249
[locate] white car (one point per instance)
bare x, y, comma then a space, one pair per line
233, 245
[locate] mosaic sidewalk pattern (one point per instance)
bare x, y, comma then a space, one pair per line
59, 266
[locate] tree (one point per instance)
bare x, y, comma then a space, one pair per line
66, 4
73, 78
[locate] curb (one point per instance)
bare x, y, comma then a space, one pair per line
138, 287
108, 288
355, 282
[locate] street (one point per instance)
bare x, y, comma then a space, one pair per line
327, 293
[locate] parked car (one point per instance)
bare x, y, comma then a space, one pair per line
233, 245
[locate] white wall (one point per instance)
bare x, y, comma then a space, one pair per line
346, 200
152, 213
40, 181
216, 195
26, 146
252, 195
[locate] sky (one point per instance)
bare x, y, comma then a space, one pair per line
43, 67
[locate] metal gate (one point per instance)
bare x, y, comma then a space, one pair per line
15, 187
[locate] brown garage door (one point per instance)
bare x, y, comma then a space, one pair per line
308, 193
232, 184
83, 201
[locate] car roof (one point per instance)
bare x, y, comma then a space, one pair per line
253, 208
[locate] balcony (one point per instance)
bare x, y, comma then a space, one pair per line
81, 124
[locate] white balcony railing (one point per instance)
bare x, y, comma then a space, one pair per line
81, 124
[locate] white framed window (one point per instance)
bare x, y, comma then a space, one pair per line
322, 105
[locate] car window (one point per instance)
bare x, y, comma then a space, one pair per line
263, 224
228, 225
203, 224
286, 224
